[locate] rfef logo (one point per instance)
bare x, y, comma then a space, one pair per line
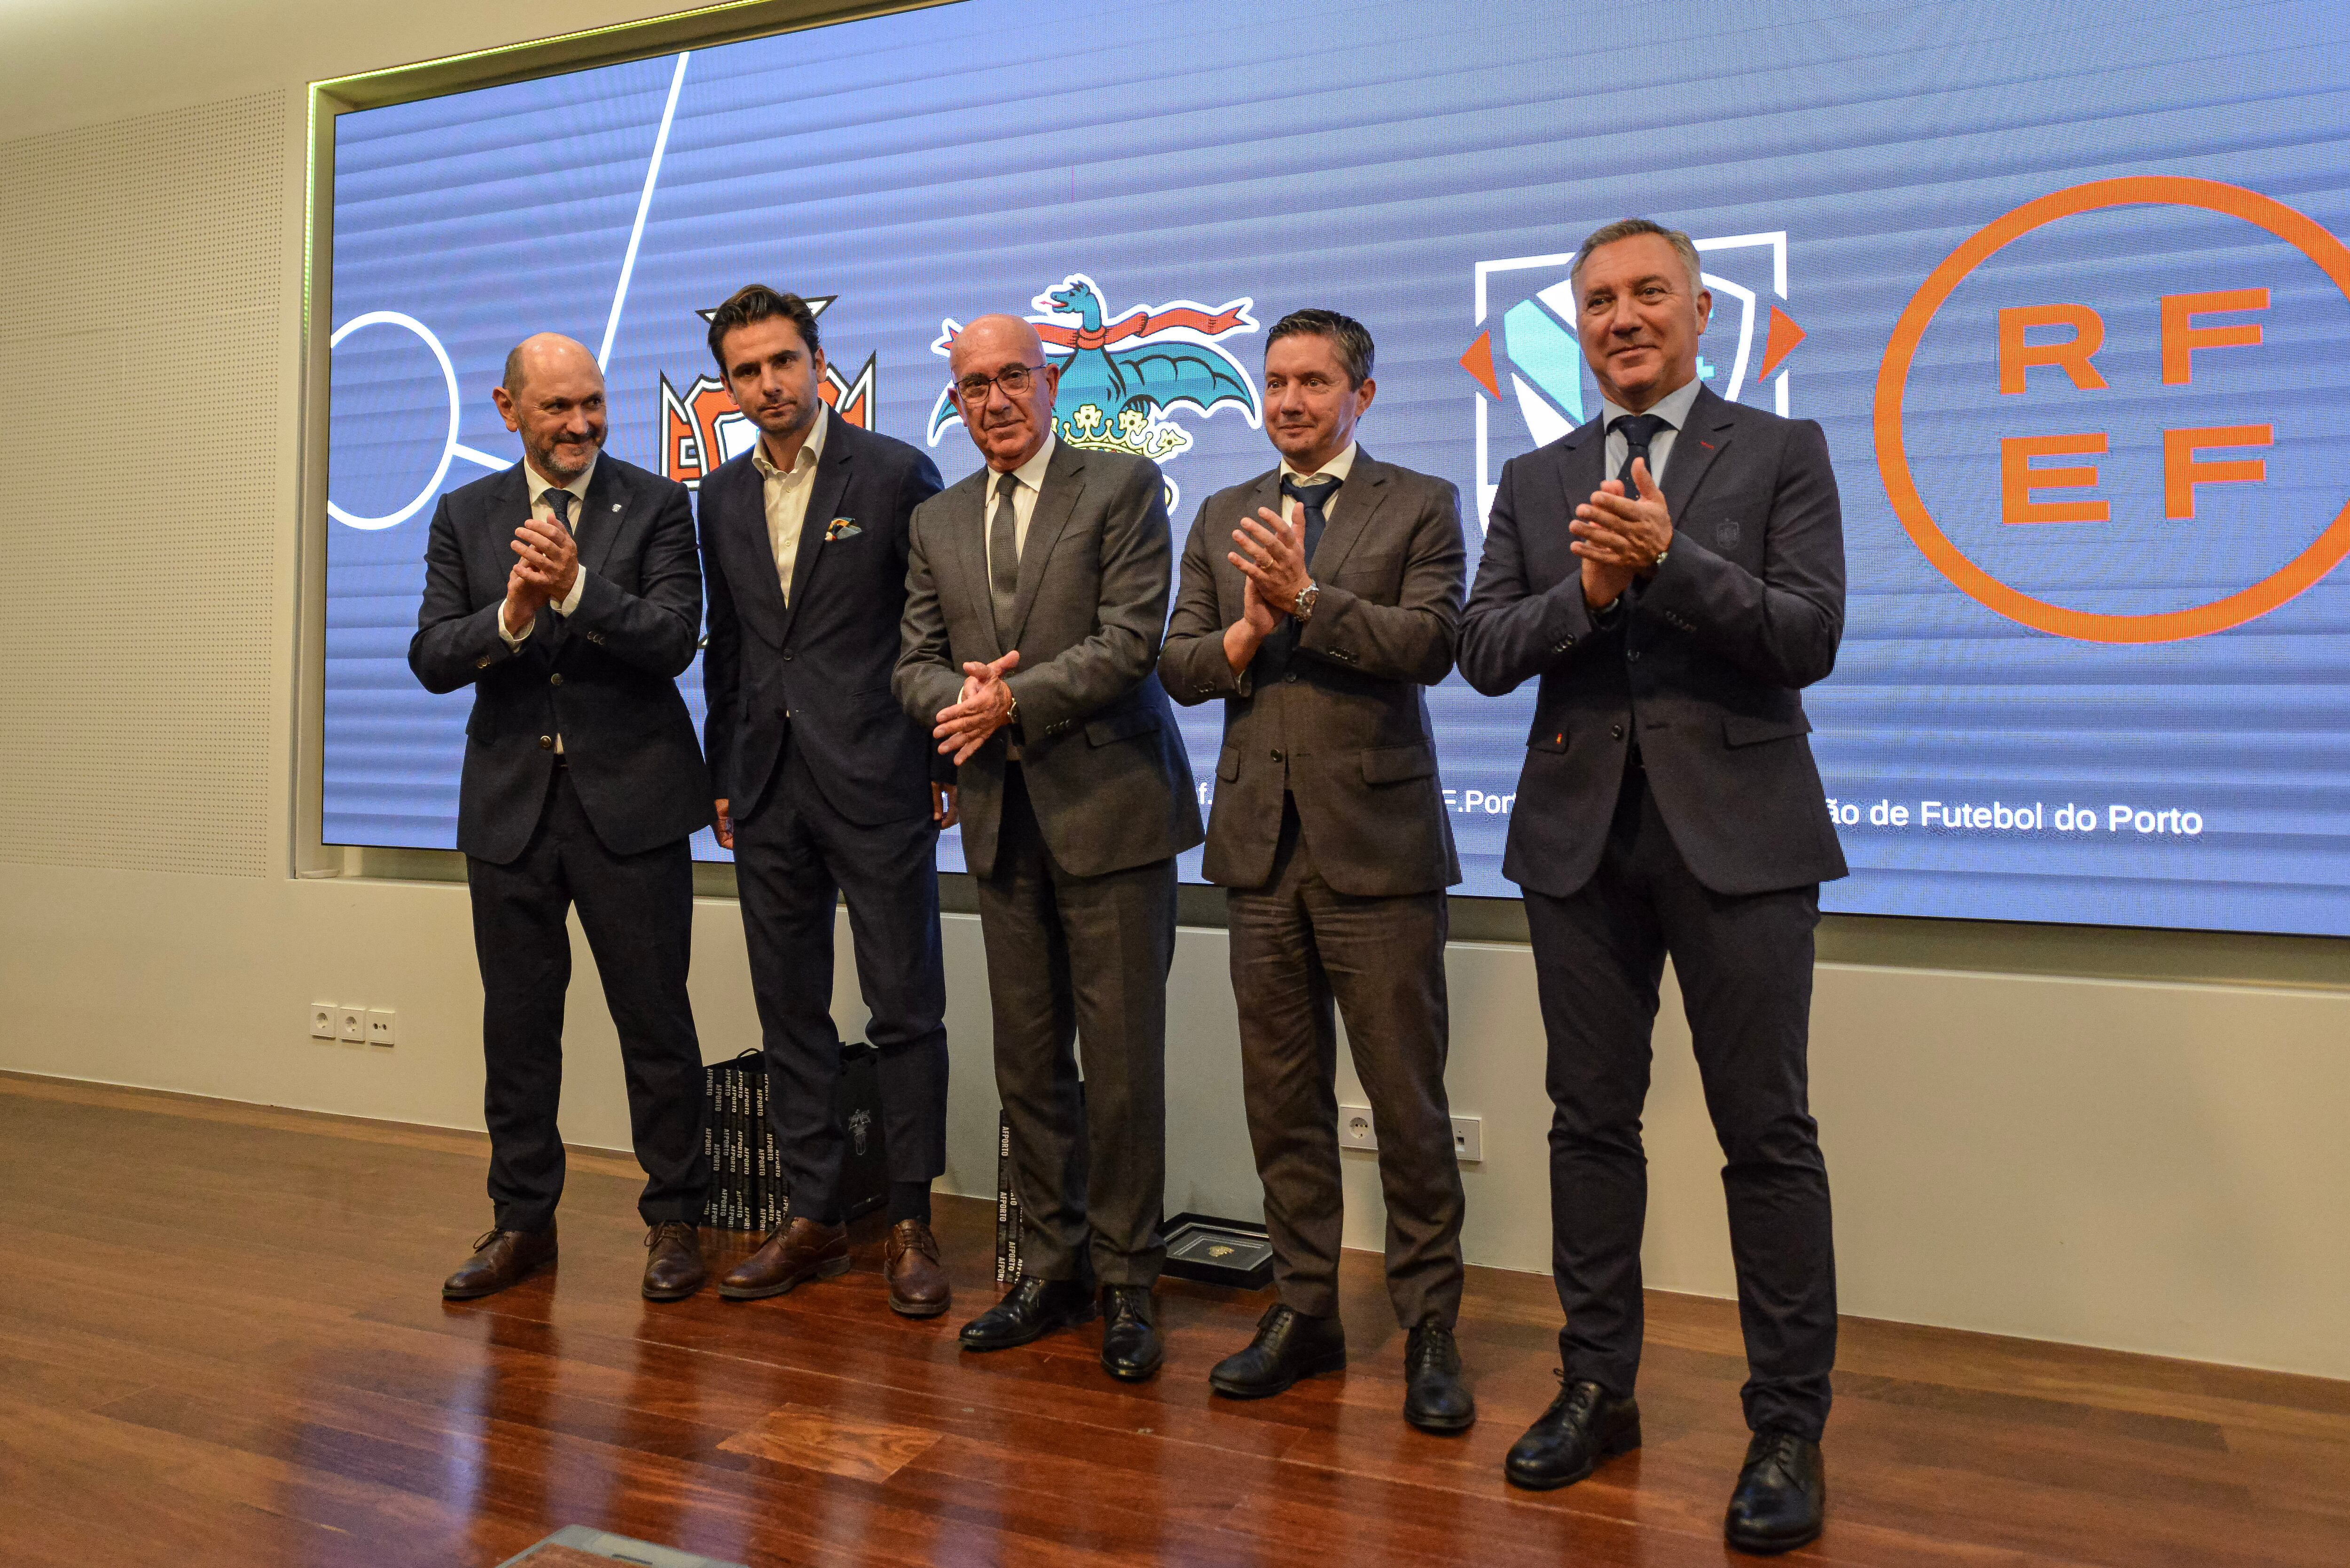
1122, 380
2109, 399
701, 428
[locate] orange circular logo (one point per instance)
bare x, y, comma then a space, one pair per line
2323, 555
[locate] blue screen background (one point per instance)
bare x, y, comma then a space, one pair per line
1428, 169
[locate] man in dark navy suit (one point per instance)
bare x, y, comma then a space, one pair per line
825, 787
566, 591
1673, 572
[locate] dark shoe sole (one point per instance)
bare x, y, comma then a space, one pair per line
919, 1309
449, 1295
1334, 1362
1622, 1443
1052, 1325
651, 1294
1770, 1546
830, 1269
1441, 1425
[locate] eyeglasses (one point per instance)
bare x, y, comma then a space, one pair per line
1014, 378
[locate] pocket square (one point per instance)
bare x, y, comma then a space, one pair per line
841, 528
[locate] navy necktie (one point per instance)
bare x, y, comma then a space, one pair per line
1638, 431
1311, 499
559, 502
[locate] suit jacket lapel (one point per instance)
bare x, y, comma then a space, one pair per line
966, 571
1695, 447
742, 509
824, 490
1359, 500
600, 519
1054, 505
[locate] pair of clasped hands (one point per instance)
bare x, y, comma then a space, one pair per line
546, 565
1620, 536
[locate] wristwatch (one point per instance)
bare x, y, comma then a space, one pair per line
1303, 607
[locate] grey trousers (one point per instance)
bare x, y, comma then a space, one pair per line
1296, 945
1078, 964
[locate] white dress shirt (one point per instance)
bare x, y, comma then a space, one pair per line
539, 485
1672, 408
786, 492
1031, 476
1337, 468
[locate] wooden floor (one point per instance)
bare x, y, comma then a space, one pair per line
222, 1343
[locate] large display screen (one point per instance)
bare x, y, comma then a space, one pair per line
2063, 284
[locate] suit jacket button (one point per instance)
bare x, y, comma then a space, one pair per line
787, 653
1276, 757
546, 743
1631, 653
1290, 679
555, 678
1615, 731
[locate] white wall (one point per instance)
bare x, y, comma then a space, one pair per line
2150, 1167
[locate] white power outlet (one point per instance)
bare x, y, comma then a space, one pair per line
1469, 1138
350, 1023
381, 1026
324, 1016
1355, 1129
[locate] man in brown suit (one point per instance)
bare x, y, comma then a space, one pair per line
1319, 600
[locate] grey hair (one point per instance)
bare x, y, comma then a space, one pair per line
1625, 229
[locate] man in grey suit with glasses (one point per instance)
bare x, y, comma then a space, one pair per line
1036, 597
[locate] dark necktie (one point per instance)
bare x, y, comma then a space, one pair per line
559, 502
1638, 431
1311, 499
1004, 554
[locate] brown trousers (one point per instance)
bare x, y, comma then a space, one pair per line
1297, 944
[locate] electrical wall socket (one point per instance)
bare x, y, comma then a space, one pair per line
1356, 1131
324, 1016
350, 1023
381, 1026
1469, 1138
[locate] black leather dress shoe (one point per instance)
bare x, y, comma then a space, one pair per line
1435, 1399
1130, 1349
1782, 1495
1029, 1311
1584, 1425
1288, 1345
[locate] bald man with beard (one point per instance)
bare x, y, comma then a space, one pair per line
1036, 597
566, 591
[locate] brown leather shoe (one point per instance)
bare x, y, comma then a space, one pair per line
802, 1251
674, 1272
500, 1259
910, 1262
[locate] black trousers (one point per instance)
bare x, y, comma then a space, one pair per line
794, 857
1297, 944
638, 913
1745, 969
1080, 962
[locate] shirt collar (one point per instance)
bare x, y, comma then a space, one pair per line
1032, 472
540, 484
1672, 408
1337, 468
811, 450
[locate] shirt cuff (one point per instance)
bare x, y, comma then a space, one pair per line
571, 600
512, 639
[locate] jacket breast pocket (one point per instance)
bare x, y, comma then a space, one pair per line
1747, 729
1395, 765
1121, 727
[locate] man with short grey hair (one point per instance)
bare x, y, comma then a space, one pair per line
1672, 573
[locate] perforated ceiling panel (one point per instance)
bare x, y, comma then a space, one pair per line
142, 271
